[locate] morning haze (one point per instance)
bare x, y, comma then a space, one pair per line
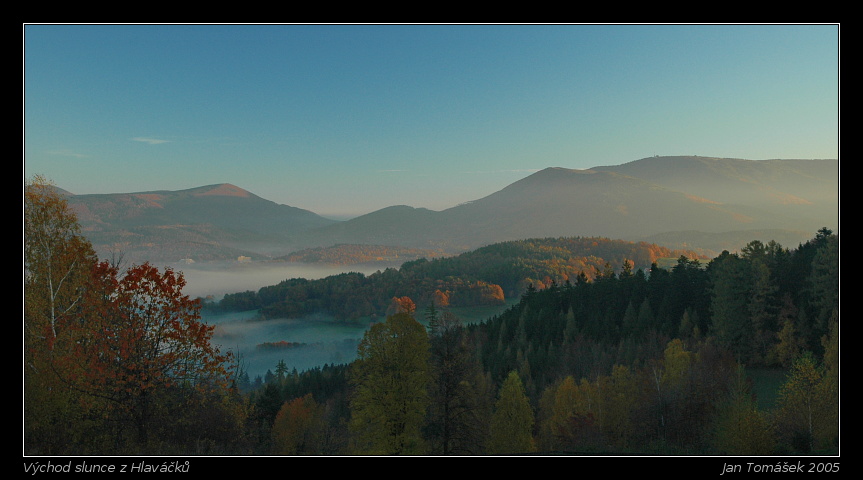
446, 240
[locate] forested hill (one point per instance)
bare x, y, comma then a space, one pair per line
758, 304
485, 276
635, 363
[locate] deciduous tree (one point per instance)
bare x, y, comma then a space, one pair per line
741, 429
299, 427
807, 414
570, 423
142, 335
511, 429
390, 378
57, 263
618, 394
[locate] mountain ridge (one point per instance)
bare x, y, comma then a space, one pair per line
646, 198
212, 222
607, 201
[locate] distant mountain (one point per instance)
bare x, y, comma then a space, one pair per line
798, 190
214, 222
696, 203
658, 197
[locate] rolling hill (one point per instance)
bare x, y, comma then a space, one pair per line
214, 222
699, 203
667, 198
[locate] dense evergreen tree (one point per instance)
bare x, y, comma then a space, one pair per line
458, 395
730, 287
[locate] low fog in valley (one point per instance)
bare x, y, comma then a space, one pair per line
328, 341
217, 279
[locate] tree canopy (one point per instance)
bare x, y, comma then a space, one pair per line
107, 351
390, 379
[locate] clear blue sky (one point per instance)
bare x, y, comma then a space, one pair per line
347, 119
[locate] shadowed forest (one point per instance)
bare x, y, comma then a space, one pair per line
605, 350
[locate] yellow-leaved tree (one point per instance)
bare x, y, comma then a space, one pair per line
57, 264
742, 429
511, 429
807, 417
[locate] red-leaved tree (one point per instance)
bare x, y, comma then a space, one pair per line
141, 336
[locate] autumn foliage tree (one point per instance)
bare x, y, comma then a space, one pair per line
569, 421
57, 262
142, 336
808, 407
741, 428
299, 427
105, 350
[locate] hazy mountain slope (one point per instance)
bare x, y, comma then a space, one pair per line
214, 222
679, 202
399, 225
803, 193
649, 198
563, 202
725, 179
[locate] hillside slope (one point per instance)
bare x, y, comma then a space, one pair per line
214, 222
652, 198
679, 202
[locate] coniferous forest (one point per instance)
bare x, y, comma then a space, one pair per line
608, 354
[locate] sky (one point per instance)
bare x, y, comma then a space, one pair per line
343, 120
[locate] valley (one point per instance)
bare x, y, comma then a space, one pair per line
663, 335
350, 240
226, 240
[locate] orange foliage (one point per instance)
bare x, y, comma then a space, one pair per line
141, 334
402, 305
298, 426
441, 299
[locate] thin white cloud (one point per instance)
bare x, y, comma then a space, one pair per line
66, 153
151, 141
520, 170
